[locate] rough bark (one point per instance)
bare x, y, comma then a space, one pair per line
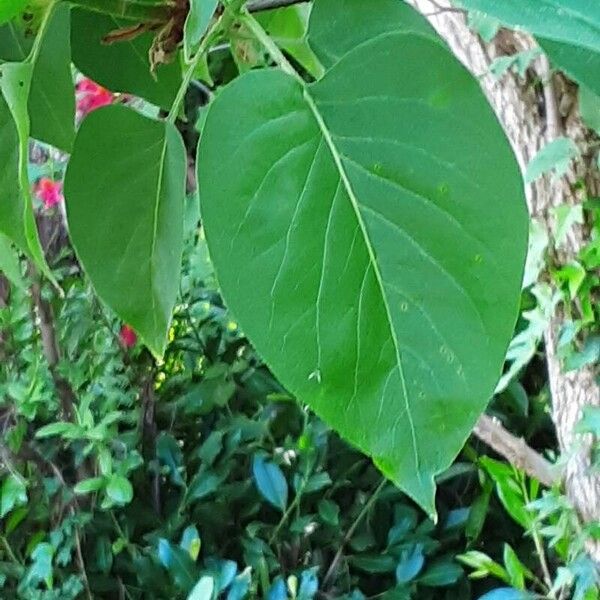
532, 114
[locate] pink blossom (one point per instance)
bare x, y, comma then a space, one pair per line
50, 192
128, 336
91, 96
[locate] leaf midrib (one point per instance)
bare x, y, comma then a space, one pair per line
337, 158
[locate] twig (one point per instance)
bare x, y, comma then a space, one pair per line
50, 347
516, 451
350, 533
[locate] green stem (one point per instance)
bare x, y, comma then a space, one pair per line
538, 543
39, 38
207, 40
145, 12
270, 46
361, 515
10, 552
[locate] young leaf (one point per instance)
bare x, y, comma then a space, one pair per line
270, 482
196, 23
125, 212
9, 263
411, 563
287, 27
203, 590
178, 563
119, 490
441, 573
13, 493
87, 486
350, 227
556, 156
507, 594
123, 66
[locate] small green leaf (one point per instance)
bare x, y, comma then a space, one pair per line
377, 563
590, 421
202, 485
514, 567
87, 486
487, 27
566, 216
65, 430
507, 594
41, 569
119, 490
410, 565
287, 27
10, 265
557, 155
203, 590
190, 541
441, 573
12, 494
179, 564
196, 23
270, 482
124, 192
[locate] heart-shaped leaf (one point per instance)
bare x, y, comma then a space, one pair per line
369, 247
125, 191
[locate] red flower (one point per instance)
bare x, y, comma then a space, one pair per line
90, 96
49, 192
128, 336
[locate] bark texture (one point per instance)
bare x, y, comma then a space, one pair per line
533, 111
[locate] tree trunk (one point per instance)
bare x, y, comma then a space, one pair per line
533, 114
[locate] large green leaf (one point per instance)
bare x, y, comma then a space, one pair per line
124, 191
567, 30
123, 66
16, 210
337, 26
371, 242
51, 99
572, 21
